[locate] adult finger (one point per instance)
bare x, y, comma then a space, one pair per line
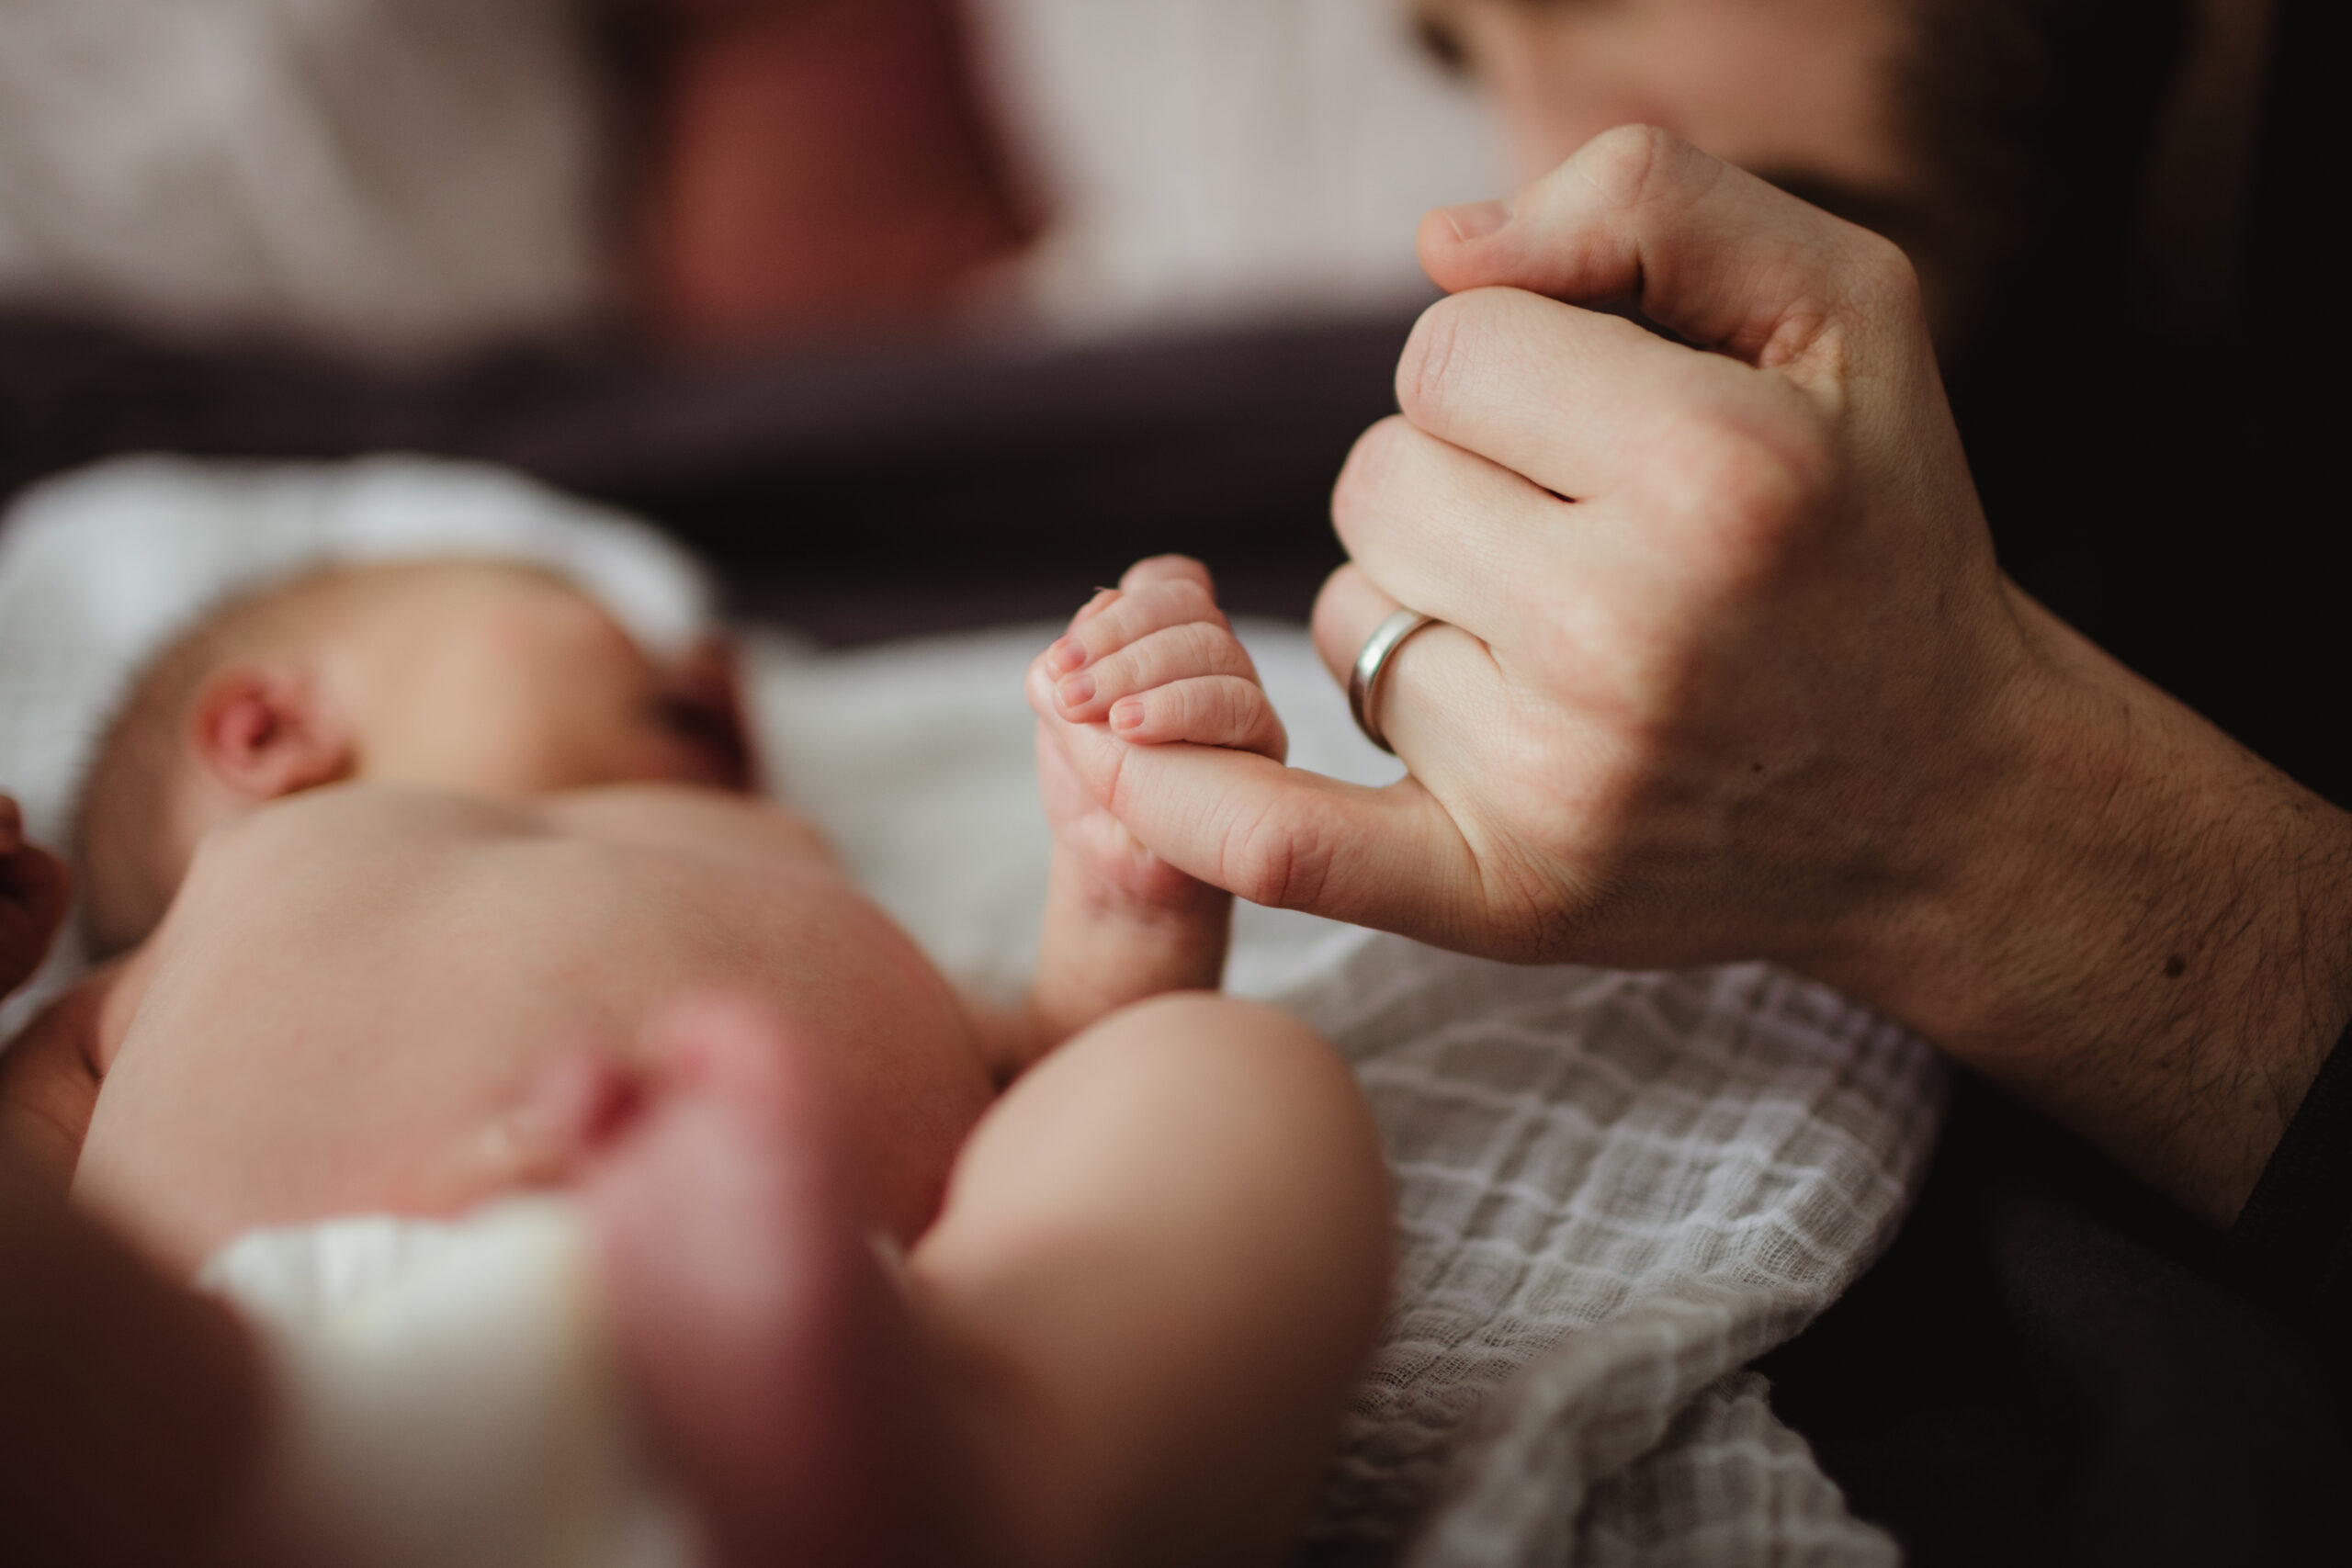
1573, 398
1448, 532
1441, 699
1705, 248
1290, 839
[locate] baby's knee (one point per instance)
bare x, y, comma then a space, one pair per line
1228, 1043
1257, 1084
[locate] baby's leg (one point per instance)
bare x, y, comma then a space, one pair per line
1162, 1262
1161, 1265
771, 1357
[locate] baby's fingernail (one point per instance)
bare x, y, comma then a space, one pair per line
1126, 714
1067, 654
1477, 219
1077, 691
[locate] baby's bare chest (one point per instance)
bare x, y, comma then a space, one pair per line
344, 1028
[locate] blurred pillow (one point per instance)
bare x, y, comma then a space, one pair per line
400, 177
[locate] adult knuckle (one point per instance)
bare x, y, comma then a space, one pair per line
1436, 357
1756, 477
1276, 860
1364, 475
1626, 164
1884, 276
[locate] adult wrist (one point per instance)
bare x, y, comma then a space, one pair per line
2128, 920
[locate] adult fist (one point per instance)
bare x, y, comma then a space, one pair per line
1725, 642
1724, 637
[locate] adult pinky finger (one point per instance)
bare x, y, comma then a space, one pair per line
1206, 710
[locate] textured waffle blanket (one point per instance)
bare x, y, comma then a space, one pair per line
1615, 1190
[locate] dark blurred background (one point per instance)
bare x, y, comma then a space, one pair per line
924, 312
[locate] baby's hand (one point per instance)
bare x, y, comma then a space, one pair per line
1155, 659
1151, 662
32, 899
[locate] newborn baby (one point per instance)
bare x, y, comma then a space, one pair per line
403, 871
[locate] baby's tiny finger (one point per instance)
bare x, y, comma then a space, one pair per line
1068, 652
1173, 653
1038, 686
1207, 710
1165, 569
1138, 612
1103, 598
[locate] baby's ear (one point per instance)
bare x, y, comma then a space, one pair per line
266, 731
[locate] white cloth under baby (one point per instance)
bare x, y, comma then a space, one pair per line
446, 1396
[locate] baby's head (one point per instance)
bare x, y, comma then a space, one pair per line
481, 677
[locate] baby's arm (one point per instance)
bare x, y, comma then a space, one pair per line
1150, 662
133, 1405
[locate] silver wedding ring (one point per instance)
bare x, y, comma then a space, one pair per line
1363, 681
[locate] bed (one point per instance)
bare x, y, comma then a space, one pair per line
1615, 1190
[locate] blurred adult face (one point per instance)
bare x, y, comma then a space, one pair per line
1802, 92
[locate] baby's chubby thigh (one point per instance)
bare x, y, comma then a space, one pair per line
1176, 1228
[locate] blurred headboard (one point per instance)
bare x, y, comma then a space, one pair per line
860, 489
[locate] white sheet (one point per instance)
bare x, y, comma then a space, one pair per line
1615, 1190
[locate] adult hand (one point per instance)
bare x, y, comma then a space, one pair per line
1729, 670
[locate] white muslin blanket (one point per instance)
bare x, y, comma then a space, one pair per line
1614, 1190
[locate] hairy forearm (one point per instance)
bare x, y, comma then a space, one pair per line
2137, 926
